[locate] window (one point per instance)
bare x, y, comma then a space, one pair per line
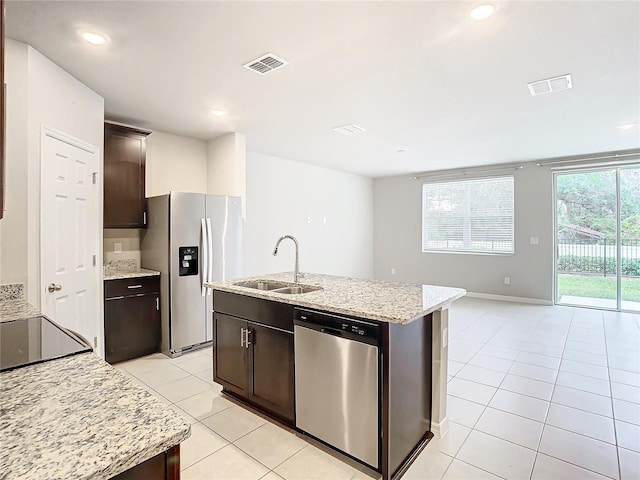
473, 216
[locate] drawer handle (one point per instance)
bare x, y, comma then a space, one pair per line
134, 286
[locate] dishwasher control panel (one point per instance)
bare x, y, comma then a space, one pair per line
367, 332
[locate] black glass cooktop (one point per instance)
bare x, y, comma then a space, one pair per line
34, 340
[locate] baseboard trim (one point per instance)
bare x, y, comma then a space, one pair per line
441, 429
508, 298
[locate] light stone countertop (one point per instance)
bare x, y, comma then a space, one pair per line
111, 274
391, 302
77, 417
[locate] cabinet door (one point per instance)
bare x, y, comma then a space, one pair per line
124, 177
131, 327
272, 382
230, 354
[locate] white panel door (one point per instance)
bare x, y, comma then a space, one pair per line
69, 234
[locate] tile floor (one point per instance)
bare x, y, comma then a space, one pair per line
535, 392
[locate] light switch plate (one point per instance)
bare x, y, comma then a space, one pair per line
533, 240
117, 247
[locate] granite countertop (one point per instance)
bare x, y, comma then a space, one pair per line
15, 309
77, 417
114, 274
377, 300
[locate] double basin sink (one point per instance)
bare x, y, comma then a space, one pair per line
277, 287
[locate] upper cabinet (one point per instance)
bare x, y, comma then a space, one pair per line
125, 204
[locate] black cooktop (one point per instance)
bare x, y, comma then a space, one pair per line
34, 340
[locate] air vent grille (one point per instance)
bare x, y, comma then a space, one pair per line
550, 85
266, 63
350, 129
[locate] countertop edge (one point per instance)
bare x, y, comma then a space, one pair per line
123, 275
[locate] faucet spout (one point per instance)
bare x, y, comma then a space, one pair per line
296, 271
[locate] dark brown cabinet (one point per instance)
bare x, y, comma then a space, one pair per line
125, 204
131, 318
253, 352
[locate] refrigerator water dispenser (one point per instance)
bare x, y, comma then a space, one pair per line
188, 261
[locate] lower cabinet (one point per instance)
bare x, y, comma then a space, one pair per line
254, 362
131, 318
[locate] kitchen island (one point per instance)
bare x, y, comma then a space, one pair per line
77, 417
413, 324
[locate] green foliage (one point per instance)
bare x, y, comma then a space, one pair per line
598, 287
583, 264
588, 199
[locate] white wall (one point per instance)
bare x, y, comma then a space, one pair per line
226, 170
175, 163
39, 94
287, 197
13, 227
398, 242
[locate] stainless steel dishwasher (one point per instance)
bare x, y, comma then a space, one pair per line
337, 377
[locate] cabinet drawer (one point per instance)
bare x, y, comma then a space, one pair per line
131, 286
258, 310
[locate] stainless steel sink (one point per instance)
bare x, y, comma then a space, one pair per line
297, 289
262, 284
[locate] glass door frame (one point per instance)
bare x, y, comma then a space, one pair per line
584, 169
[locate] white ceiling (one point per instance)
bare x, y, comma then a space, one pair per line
419, 76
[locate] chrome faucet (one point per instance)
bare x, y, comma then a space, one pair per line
296, 271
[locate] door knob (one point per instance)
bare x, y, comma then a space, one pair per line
52, 287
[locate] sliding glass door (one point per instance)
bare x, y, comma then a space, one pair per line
598, 238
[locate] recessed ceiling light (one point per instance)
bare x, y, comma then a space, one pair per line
482, 12
350, 129
401, 150
218, 113
627, 126
93, 37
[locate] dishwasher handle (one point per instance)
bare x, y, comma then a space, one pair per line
331, 331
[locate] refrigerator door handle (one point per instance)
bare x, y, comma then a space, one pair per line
210, 254
205, 254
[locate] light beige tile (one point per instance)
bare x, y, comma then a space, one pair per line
233, 423
463, 411
149, 363
626, 411
270, 445
628, 435
428, 466
622, 363
582, 382
271, 476
201, 443
587, 369
624, 376
481, 375
187, 418
579, 450
539, 360
629, 464
310, 463
519, 404
527, 386
493, 363
228, 463
582, 400
586, 347
204, 404
549, 468
628, 393
162, 375
584, 423
472, 391
497, 456
535, 372
452, 441
513, 428
454, 367
586, 357
463, 471
500, 352
207, 376
194, 364
183, 388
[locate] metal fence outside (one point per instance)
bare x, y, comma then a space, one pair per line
599, 257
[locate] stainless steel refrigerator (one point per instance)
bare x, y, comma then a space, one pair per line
191, 238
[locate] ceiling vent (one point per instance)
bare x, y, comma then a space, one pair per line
550, 85
349, 129
266, 63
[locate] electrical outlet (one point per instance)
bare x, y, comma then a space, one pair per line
117, 248
533, 240
393, 271
507, 280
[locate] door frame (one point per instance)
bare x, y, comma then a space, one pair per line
584, 169
97, 277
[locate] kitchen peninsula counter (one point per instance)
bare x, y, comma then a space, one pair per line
391, 302
78, 417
